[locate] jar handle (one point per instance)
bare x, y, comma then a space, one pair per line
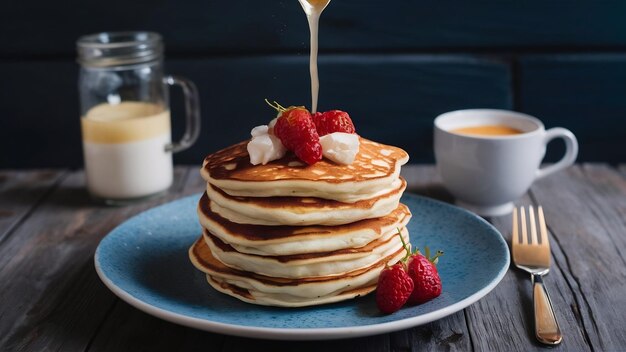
192, 112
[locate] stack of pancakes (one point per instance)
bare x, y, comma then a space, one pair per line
289, 234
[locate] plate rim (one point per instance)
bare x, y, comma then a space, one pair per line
304, 333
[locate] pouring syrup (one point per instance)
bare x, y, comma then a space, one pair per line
313, 9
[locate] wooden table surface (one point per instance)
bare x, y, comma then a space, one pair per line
52, 299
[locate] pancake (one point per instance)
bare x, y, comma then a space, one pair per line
375, 168
265, 290
285, 300
285, 240
317, 264
301, 211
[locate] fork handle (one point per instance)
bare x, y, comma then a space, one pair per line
546, 327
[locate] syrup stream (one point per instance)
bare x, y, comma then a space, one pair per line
313, 9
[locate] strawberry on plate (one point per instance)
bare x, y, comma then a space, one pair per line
394, 288
413, 279
422, 269
394, 284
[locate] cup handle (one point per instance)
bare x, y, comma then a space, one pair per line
192, 112
571, 151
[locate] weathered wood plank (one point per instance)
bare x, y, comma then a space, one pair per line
586, 210
503, 320
49, 261
449, 334
129, 329
379, 343
20, 192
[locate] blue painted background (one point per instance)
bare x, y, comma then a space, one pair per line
394, 65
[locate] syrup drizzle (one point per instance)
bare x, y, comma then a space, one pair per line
313, 9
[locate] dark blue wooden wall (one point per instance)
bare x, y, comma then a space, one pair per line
394, 65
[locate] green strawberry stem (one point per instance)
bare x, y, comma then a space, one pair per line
404, 245
434, 259
276, 106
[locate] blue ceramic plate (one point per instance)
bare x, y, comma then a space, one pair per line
144, 261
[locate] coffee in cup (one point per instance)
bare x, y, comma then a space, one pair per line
488, 158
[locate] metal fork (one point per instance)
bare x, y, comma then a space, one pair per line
533, 256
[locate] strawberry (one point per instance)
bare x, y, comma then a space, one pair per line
294, 127
296, 130
333, 121
394, 288
394, 284
425, 277
415, 282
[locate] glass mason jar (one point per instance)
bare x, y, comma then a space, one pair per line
125, 115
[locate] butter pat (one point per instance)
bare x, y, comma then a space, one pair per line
340, 147
264, 147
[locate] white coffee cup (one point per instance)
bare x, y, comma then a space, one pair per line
487, 173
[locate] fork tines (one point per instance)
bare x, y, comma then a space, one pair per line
537, 236
534, 252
